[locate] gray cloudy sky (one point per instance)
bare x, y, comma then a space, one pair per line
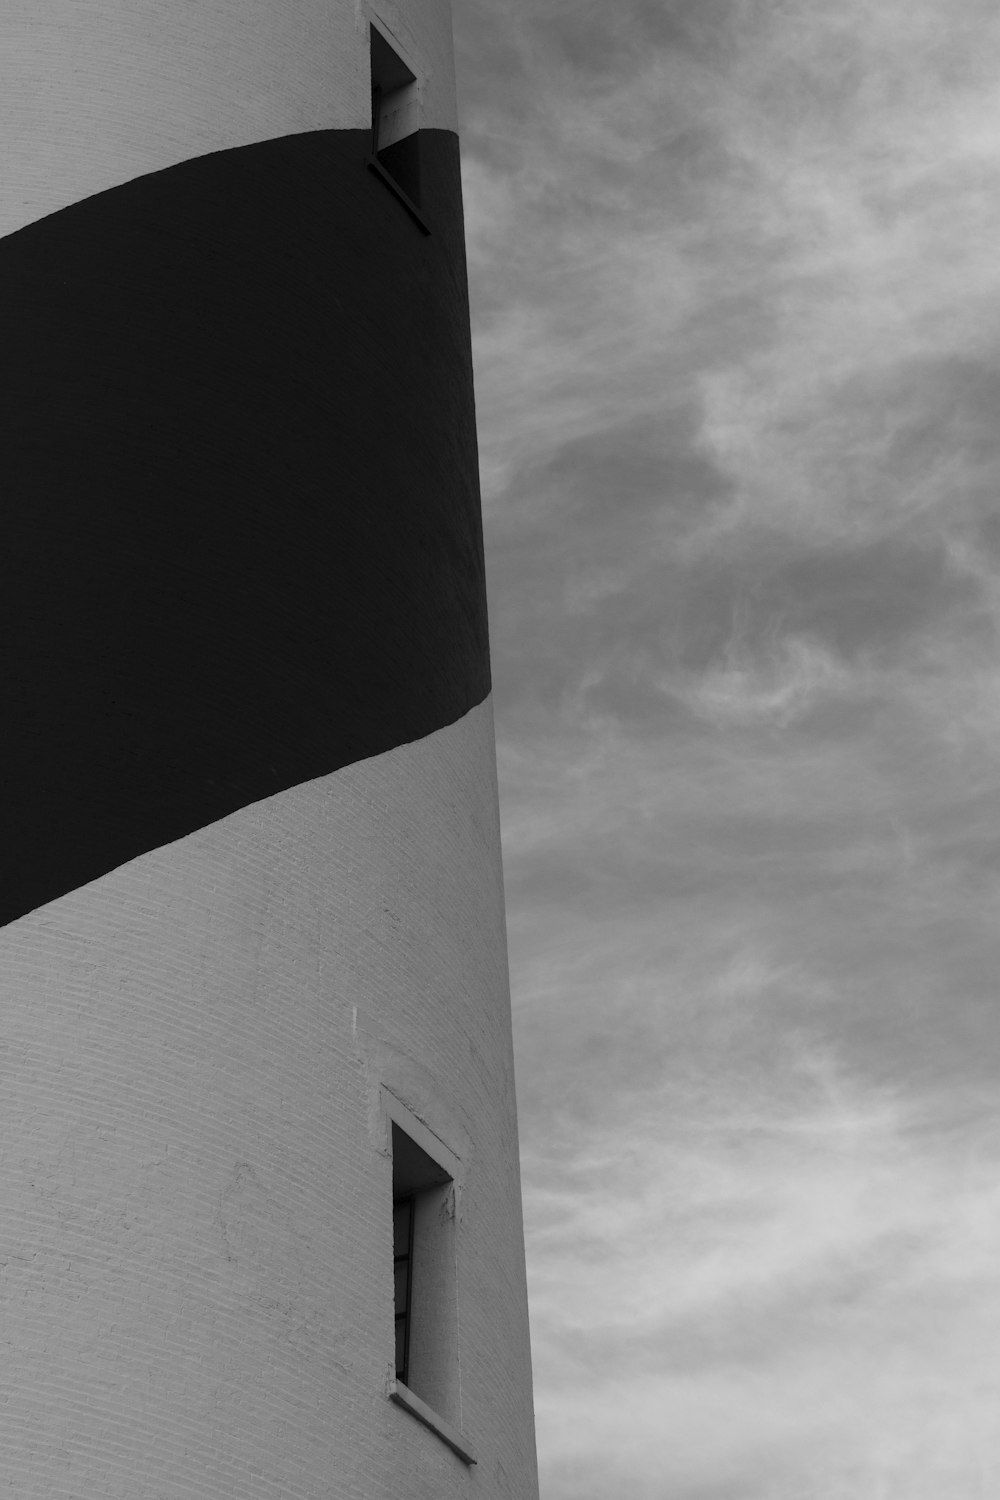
736, 281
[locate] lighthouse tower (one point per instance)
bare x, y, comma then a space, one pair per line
260, 1226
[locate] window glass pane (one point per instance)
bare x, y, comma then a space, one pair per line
402, 1269
401, 1226
400, 1348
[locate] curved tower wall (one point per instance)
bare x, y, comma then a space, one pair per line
250, 887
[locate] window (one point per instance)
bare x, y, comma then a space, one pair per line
421, 1190
402, 1250
425, 1295
395, 140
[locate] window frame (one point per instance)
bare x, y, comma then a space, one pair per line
440, 1190
379, 46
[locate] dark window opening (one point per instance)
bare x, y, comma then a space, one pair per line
402, 1249
423, 1256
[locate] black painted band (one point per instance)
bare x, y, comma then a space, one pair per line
242, 538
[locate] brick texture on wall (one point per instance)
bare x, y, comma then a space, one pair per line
196, 1252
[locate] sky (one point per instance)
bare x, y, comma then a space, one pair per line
736, 317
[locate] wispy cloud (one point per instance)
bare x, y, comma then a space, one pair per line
780, 687
738, 368
791, 1291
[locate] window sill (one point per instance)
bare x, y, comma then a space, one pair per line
403, 1396
374, 165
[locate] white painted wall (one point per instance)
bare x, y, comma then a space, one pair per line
94, 93
196, 1242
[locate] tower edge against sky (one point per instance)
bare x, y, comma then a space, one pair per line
250, 891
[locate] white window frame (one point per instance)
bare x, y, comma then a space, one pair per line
396, 115
434, 1349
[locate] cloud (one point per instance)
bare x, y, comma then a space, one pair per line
796, 1290
755, 993
779, 688
772, 221
731, 344
734, 288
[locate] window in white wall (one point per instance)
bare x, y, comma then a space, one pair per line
422, 1207
425, 1257
395, 139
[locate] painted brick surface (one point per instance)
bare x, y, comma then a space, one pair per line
196, 1245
